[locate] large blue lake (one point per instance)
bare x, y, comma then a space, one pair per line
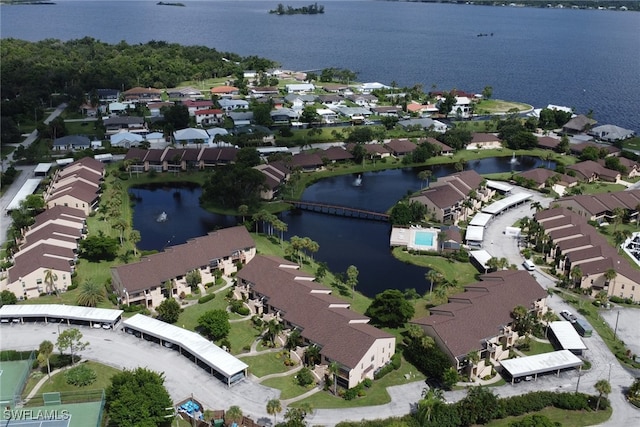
343, 241
585, 59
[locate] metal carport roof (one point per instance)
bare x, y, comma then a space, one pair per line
541, 363
567, 336
196, 344
503, 204
60, 311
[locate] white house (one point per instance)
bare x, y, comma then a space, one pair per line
233, 104
327, 116
300, 88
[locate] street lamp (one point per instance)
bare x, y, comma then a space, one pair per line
615, 330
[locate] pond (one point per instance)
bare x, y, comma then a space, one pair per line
343, 241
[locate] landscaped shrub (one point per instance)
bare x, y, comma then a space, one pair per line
243, 310
57, 361
367, 382
305, 377
80, 376
394, 364
206, 298
72, 286
208, 285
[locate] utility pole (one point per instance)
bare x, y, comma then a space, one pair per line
615, 330
579, 374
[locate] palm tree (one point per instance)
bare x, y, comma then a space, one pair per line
441, 292
273, 330
576, 274
233, 414
44, 353
91, 294
134, 237
618, 217
431, 398
312, 354
536, 206
274, 407
610, 275
334, 369
602, 387
424, 176
432, 276
50, 279
472, 360
548, 317
619, 236
120, 225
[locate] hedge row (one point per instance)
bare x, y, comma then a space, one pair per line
206, 298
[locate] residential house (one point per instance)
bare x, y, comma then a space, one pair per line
276, 174
276, 288
363, 99
540, 178
440, 148
125, 123
184, 93
548, 142
156, 277
71, 143
331, 100
463, 107
369, 87
481, 141
197, 105
479, 320
300, 88
452, 238
142, 95
610, 150
455, 197
119, 108
106, 96
155, 108
283, 116
261, 91
225, 91
335, 87
210, 117
27, 277
300, 100
387, 110
575, 245
593, 171
191, 136
233, 104
336, 154
611, 133
599, 207
578, 124
326, 115
307, 162
424, 123
126, 139
400, 147
77, 195
422, 110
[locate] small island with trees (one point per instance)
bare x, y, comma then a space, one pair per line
312, 9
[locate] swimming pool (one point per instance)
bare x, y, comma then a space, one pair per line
423, 238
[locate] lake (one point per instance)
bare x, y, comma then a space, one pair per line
585, 59
343, 241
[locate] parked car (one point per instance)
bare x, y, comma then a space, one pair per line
568, 316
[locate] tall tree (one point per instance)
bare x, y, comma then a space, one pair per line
91, 294
390, 309
352, 279
44, 354
137, 398
134, 238
71, 339
431, 397
274, 407
602, 387
169, 310
334, 370
432, 276
215, 324
233, 414
50, 279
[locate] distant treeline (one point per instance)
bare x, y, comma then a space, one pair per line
633, 5
36, 74
312, 9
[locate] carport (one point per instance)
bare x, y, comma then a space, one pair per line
59, 313
555, 361
564, 335
190, 344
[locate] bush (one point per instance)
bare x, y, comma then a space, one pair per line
393, 365
243, 311
367, 382
206, 298
80, 376
208, 285
57, 361
72, 286
305, 377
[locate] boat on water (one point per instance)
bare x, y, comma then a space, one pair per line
162, 217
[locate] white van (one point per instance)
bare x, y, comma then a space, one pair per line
528, 265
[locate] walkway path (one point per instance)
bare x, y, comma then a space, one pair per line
311, 392
40, 383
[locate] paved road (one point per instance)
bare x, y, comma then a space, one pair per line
26, 172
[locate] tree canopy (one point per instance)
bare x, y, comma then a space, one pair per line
137, 398
390, 308
169, 310
215, 324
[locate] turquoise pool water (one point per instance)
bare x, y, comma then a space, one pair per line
423, 238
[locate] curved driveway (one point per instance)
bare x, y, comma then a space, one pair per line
183, 378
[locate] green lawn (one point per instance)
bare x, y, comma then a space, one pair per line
463, 272
376, 395
264, 364
601, 187
632, 144
537, 347
288, 386
103, 380
242, 335
189, 317
564, 417
494, 106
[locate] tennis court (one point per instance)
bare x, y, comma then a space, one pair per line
72, 414
13, 376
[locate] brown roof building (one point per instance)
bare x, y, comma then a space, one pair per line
144, 282
277, 287
479, 319
400, 147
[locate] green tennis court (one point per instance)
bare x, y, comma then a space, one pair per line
71, 414
13, 376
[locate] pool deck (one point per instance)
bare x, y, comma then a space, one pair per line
407, 237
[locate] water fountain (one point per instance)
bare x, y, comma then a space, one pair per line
162, 217
358, 181
513, 160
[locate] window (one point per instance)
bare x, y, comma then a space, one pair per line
373, 357
622, 286
39, 281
